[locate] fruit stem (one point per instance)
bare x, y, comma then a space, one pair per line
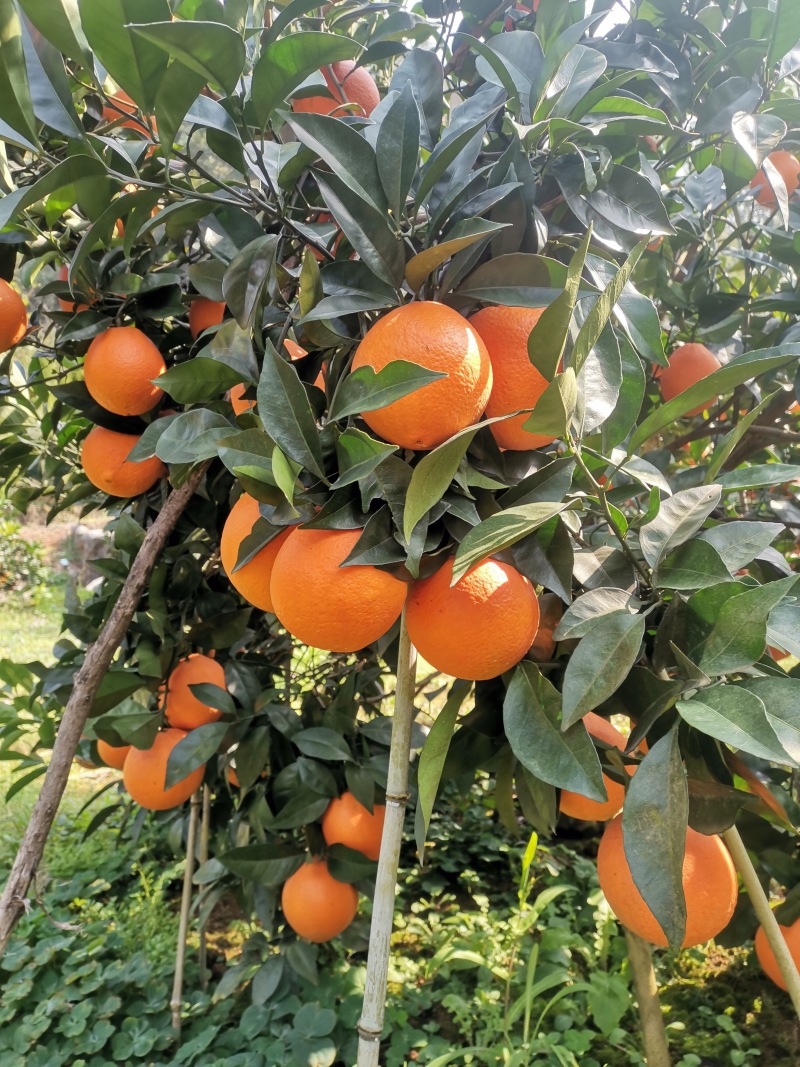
183, 924
86, 683
205, 831
764, 913
370, 1026
651, 1021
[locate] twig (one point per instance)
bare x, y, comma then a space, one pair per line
87, 680
205, 827
183, 925
651, 1021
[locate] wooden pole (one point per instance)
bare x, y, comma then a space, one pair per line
651, 1021
183, 924
370, 1026
765, 914
205, 827
87, 680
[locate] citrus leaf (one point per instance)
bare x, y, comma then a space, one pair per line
136, 65
367, 390
432, 760
735, 716
501, 531
432, 477
600, 663
462, 235
548, 338
285, 411
211, 49
285, 63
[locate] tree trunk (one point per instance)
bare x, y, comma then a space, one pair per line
651, 1021
87, 680
370, 1026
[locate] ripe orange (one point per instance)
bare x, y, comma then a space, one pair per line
788, 166
119, 368
145, 773
236, 394
203, 314
527, 8
120, 103
348, 84
315, 905
516, 383
112, 755
252, 580
105, 463
580, 807
181, 706
709, 884
72, 306
551, 608
340, 609
766, 957
346, 822
688, 365
13, 316
438, 338
480, 627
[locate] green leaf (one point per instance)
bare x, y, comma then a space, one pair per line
678, 519
759, 476
397, 149
432, 477
582, 615
735, 716
367, 390
517, 279
135, 64
422, 70
630, 203
565, 758
733, 637
250, 277
726, 445
358, 455
654, 821
781, 698
285, 411
16, 105
285, 63
548, 338
49, 86
177, 92
693, 565
783, 627
447, 151
198, 380
600, 663
465, 233
59, 21
194, 751
738, 543
348, 865
739, 370
323, 743
603, 308
432, 760
269, 865
785, 31
68, 178
192, 436
556, 406
501, 531
758, 134
211, 49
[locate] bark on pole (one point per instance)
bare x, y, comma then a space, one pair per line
765, 914
186, 905
87, 681
651, 1021
370, 1026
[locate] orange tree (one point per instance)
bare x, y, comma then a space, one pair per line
509, 331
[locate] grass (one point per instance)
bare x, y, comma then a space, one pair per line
30, 624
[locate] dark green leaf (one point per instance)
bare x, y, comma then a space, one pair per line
584, 612
136, 65
16, 105
548, 338
693, 565
501, 531
211, 49
432, 759
735, 716
194, 751
286, 413
198, 380
59, 22
422, 70
781, 698
250, 278
268, 865
348, 865
192, 436
603, 308
678, 519
763, 474
323, 743
397, 149
285, 63
740, 542
555, 408
600, 663
432, 477
358, 455
367, 390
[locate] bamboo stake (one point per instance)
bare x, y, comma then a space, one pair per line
186, 904
87, 680
765, 914
370, 1026
651, 1021
205, 828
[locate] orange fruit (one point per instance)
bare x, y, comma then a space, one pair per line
709, 884
551, 608
119, 368
766, 957
112, 755
578, 806
181, 706
347, 84
145, 773
688, 365
203, 314
480, 627
252, 580
315, 905
788, 166
72, 306
438, 338
347, 822
105, 463
120, 104
233, 778
236, 393
340, 609
13, 316
526, 8
516, 383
